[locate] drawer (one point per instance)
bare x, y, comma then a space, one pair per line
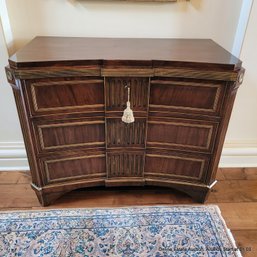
54, 136
117, 93
53, 96
125, 164
120, 134
182, 134
169, 166
65, 168
186, 96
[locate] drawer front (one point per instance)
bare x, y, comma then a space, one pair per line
70, 134
125, 164
74, 168
177, 167
117, 93
181, 134
60, 96
181, 96
120, 134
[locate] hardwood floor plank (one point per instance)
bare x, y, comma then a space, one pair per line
235, 194
238, 173
239, 216
120, 197
246, 242
220, 176
14, 177
234, 191
25, 178
17, 196
251, 173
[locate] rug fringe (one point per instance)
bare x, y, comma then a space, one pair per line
228, 231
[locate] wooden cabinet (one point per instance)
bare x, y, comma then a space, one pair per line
71, 94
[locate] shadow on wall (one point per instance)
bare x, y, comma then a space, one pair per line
123, 18
197, 4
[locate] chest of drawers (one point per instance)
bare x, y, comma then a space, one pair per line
71, 94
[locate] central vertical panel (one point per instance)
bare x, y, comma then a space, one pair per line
120, 134
116, 93
125, 164
125, 142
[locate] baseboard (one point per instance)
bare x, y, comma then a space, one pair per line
13, 156
238, 157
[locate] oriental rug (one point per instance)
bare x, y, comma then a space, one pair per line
192, 231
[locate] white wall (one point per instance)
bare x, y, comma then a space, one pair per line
12, 154
10, 128
242, 132
243, 125
216, 19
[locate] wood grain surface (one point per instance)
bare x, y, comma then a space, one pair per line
239, 211
44, 51
71, 94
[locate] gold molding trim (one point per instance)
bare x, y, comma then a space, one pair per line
171, 83
70, 159
95, 175
202, 161
165, 175
46, 72
67, 124
56, 186
197, 74
75, 158
45, 84
70, 71
127, 72
210, 127
172, 182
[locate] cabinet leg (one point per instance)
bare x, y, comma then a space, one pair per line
46, 199
199, 195
197, 192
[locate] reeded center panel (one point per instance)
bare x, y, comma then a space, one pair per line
120, 134
117, 96
125, 164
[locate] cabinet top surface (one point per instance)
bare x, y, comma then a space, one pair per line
45, 51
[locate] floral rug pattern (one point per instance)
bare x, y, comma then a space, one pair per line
178, 231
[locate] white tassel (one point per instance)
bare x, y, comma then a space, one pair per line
128, 116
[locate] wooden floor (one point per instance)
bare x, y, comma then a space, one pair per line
235, 194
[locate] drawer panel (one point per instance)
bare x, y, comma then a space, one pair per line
69, 134
181, 134
125, 164
173, 166
60, 96
120, 134
74, 168
182, 96
117, 93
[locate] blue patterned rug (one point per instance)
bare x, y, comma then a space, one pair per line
193, 231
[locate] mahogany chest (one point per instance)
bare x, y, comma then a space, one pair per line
71, 94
